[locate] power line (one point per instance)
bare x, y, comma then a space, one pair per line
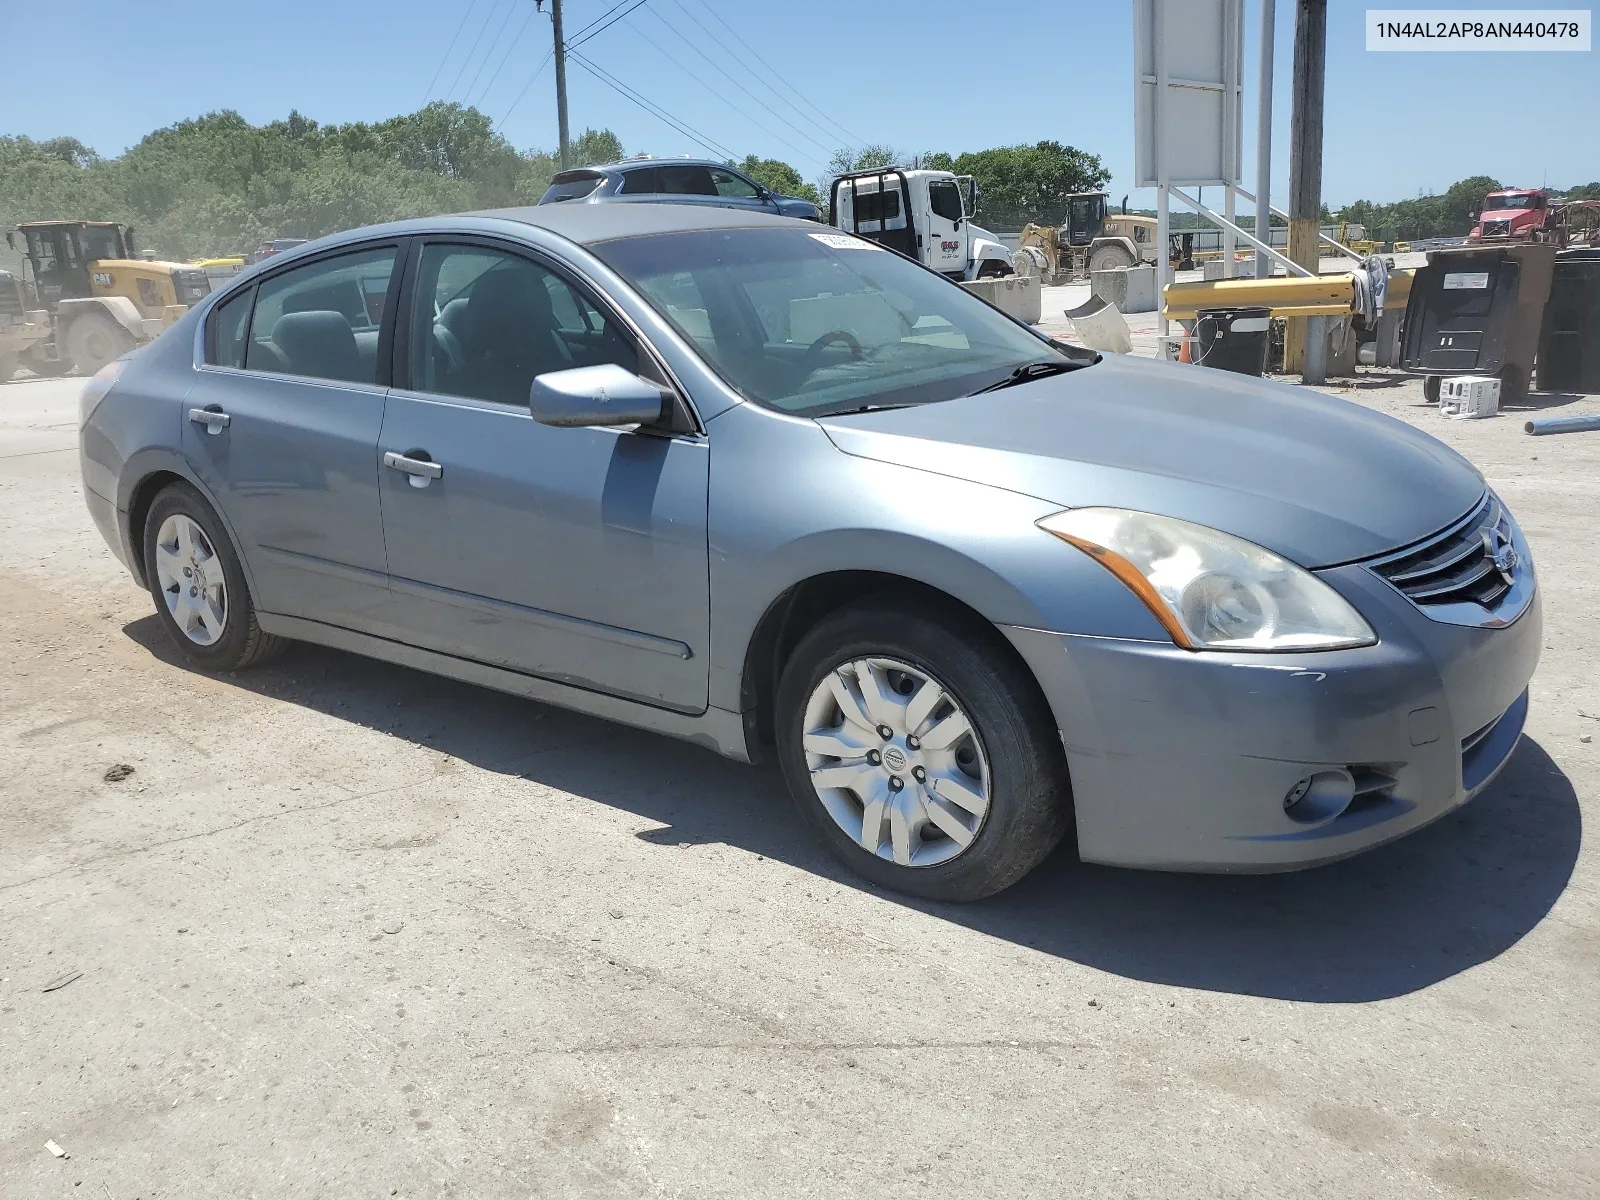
651, 107
489, 53
578, 41
855, 138
506, 57
440, 69
473, 53
544, 62
579, 33
734, 105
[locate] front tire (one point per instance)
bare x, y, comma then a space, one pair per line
921, 752
198, 584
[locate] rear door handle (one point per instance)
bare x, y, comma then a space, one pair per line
214, 419
420, 470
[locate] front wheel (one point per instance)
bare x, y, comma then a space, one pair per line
921, 752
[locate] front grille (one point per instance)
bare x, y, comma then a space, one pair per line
10, 296
1459, 565
1496, 228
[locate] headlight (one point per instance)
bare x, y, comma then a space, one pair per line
1209, 590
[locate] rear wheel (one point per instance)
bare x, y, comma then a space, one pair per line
921, 753
94, 339
1109, 258
1430, 388
198, 584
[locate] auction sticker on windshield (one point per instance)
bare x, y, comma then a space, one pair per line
843, 241
1457, 281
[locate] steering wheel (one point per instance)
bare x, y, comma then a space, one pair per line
813, 355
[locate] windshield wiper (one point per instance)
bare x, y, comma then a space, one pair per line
1027, 372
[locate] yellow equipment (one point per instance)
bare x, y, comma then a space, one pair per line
102, 300
1285, 295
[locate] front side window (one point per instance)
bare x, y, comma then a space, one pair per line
945, 199
42, 250
736, 187
321, 320
818, 323
486, 322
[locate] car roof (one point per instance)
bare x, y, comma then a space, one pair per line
587, 223
627, 163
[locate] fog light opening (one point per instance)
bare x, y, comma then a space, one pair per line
1320, 797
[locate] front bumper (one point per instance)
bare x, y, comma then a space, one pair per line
1182, 760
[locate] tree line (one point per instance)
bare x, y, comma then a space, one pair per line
218, 184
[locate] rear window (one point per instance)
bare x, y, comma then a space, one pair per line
645, 181
571, 185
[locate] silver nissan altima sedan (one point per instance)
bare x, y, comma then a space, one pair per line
781, 492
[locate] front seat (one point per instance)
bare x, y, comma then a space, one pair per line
321, 344
508, 335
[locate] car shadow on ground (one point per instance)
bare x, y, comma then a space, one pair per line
1389, 922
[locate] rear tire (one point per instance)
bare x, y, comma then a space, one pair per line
198, 584
1109, 258
1013, 762
1430, 388
94, 339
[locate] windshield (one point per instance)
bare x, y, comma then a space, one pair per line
1523, 201
819, 323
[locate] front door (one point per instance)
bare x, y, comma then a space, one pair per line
282, 427
946, 247
578, 555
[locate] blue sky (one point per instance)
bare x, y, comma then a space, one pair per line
917, 74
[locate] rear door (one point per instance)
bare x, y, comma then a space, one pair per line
282, 427
577, 555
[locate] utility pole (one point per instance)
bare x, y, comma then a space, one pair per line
1305, 342
561, 74
1269, 39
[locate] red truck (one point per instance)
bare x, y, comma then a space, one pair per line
1514, 215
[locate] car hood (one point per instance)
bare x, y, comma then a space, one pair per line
1314, 478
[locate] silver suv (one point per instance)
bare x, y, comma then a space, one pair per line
678, 180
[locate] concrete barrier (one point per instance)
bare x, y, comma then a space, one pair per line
1015, 295
1131, 289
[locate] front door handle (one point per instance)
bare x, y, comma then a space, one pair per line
419, 470
213, 418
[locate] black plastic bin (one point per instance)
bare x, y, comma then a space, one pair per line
1232, 339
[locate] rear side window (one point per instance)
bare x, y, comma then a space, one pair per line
646, 181
687, 181
877, 206
571, 185
229, 323
321, 320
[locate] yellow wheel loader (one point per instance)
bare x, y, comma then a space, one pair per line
101, 299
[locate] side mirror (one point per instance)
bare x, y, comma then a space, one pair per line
602, 395
11, 239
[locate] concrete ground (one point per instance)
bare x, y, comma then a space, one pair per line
350, 930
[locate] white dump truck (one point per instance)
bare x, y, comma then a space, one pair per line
923, 215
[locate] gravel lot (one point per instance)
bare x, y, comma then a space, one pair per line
350, 930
